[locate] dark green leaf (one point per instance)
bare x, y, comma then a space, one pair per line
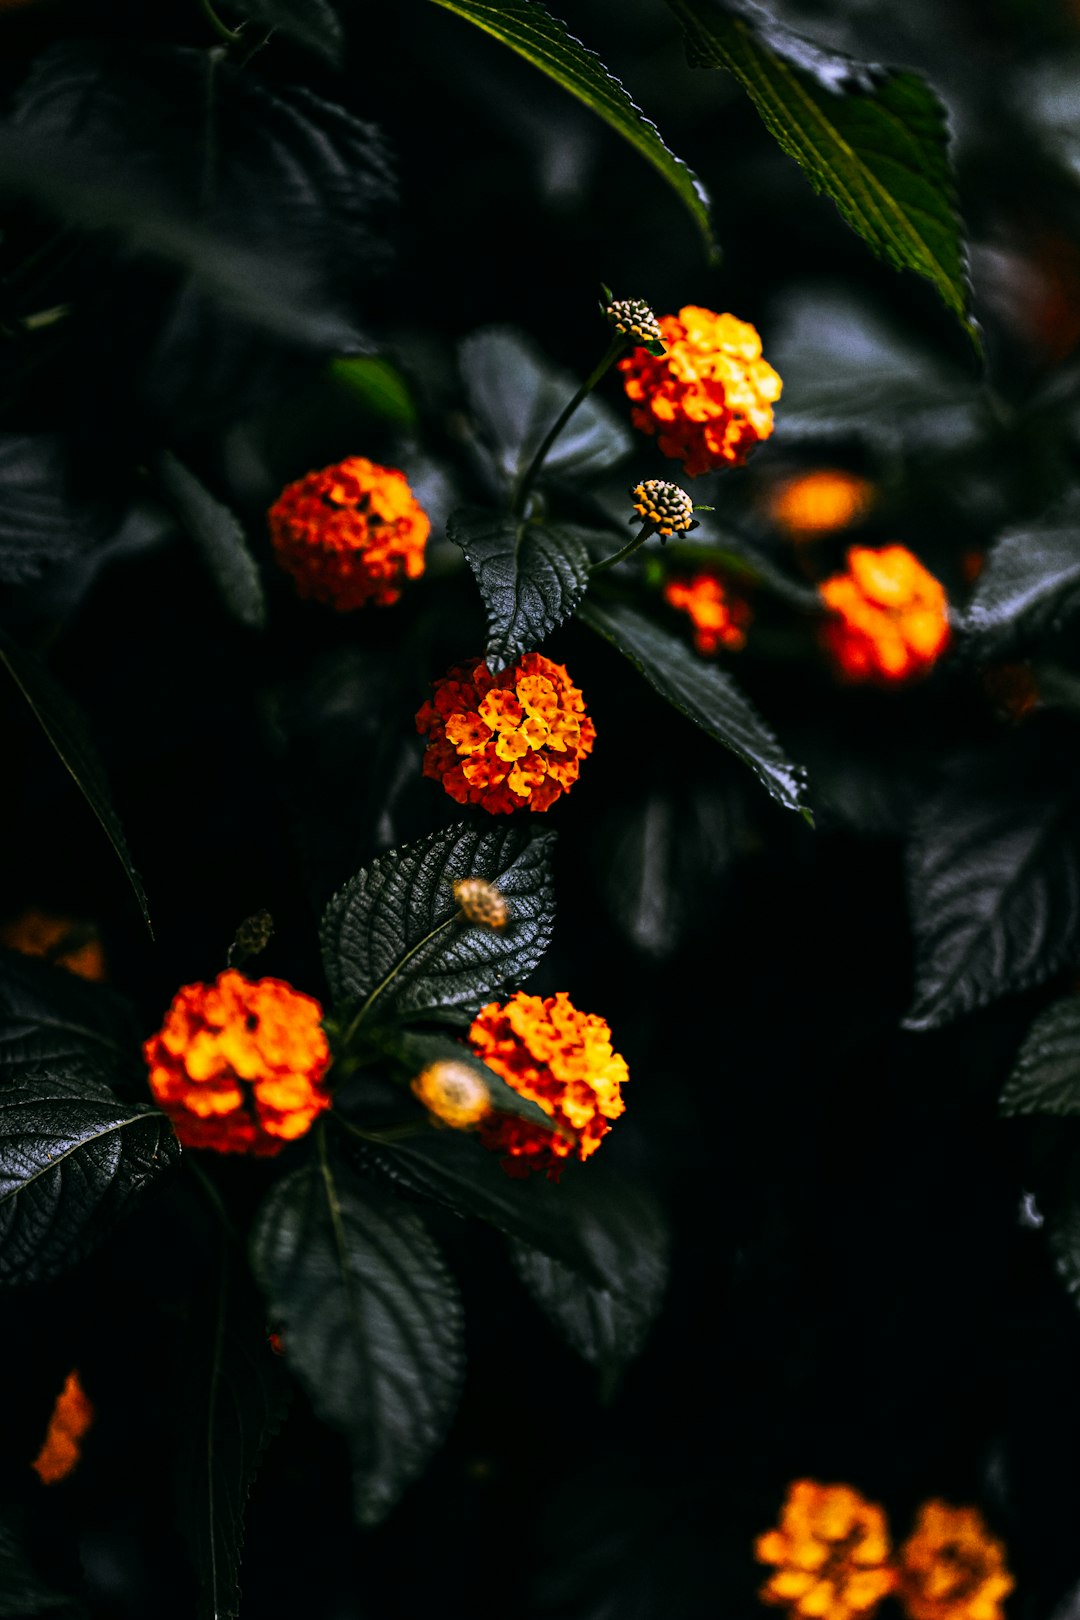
703, 693
314, 23
416, 1049
66, 729
43, 519
994, 878
394, 931
516, 396
379, 386
544, 41
623, 1229
371, 1322
23, 1591
1030, 584
220, 539
73, 1162
229, 1404
51, 1019
872, 139
531, 576
1046, 1079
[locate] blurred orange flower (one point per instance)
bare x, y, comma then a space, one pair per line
70, 944
454, 1093
889, 617
350, 534
506, 741
708, 399
71, 1416
720, 616
951, 1567
561, 1059
831, 1551
238, 1064
818, 502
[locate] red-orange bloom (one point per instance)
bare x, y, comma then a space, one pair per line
831, 1552
720, 616
889, 618
62, 1448
709, 397
818, 502
62, 940
238, 1064
508, 740
952, 1568
561, 1059
350, 534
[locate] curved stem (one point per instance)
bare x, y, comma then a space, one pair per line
626, 551
227, 34
527, 478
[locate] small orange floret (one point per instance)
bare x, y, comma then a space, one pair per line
453, 1093
889, 619
708, 399
71, 1417
819, 502
67, 943
952, 1568
561, 1059
720, 616
831, 1552
506, 741
238, 1064
350, 534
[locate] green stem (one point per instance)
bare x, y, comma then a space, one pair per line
626, 551
527, 478
218, 26
347, 1038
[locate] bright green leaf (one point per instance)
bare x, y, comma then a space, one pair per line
378, 386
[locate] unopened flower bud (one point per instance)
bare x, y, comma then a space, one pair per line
253, 935
633, 318
664, 506
454, 1093
481, 902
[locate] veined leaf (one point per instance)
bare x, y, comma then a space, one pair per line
66, 730
51, 1019
1046, 1078
544, 41
703, 693
1031, 582
370, 1320
416, 1049
394, 935
314, 23
220, 539
872, 139
73, 1162
531, 576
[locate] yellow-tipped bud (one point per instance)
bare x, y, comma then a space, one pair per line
454, 1093
481, 902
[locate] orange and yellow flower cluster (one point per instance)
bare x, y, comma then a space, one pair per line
559, 1058
708, 399
720, 616
71, 1416
889, 617
350, 534
238, 1065
833, 1559
506, 741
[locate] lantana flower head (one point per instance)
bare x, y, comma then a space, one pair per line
831, 1554
71, 1417
559, 1058
720, 615
506, 741
819, 502
708, 399
350, 534
454, 1093
889, 617
952, 1568
238, 1065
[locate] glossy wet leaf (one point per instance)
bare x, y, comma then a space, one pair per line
1046, 1078
220, 539
703, 693
528, 28
1030, 584
66, 729
73, 1162
370, 1319
531, 576
873, 139
394, 934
